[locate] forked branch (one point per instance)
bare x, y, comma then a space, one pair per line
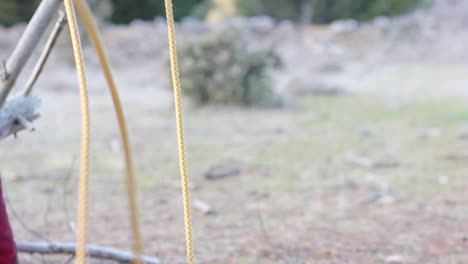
17, 114
26, 45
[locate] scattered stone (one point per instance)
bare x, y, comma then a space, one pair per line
303, 87
331, 67
366, 133
442, 180
463, 134
115, 146
459, 156
359, 161
394, 259
222, 171
433, 132
379, 198
367, 162
203, 207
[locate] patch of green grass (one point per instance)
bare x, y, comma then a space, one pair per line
374, 110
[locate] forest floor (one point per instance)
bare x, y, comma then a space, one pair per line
376, 174
359, 178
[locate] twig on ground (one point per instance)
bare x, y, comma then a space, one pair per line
93, 251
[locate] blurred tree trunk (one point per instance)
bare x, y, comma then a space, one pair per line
327, 15
386, 7
304, 11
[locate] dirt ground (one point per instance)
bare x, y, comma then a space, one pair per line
373, 175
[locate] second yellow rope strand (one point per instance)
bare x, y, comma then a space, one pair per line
91, 28
84, 159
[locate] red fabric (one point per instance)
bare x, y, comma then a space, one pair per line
7, 244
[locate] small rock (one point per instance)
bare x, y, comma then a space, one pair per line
203, 206
360, 161
442, 180
385, 164
367, 162
331, 67
463, 134
433, 132
303, 87
462, 156
379, 198
115, 146
222, 171
279, 130
394, 259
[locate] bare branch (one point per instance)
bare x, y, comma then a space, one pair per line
93, 251
45, 53
26, 45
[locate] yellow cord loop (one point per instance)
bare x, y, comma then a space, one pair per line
84, 159
90, 26
180, 129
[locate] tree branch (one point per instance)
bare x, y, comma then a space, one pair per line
45, 53
26, 45
69, 249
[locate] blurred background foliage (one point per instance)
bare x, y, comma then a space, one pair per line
16, 11
221, 68
304, 11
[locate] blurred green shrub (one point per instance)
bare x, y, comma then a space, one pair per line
325, 11
219, 68
125, 11
16, 11
363, 9
201, 10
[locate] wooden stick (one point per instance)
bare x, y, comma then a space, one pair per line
45, 53
26, 45
68, 248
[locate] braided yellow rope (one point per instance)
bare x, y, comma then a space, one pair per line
180, 129
90, 26
83, 182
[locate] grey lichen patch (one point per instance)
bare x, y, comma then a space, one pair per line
16, 113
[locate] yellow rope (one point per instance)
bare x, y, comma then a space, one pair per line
83, 182
90, 26
180, 129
